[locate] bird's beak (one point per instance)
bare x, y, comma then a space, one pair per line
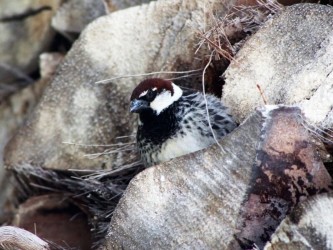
138, 105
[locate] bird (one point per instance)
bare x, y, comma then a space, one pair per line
173, 122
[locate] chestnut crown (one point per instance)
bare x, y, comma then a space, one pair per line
154, 93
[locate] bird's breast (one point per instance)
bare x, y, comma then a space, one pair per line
181, 145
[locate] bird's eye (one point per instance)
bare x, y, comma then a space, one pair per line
151, 94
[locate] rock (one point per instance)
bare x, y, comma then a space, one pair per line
14, 109
114, 5
291, 59
222, 198
310, 226
48, 63
289, 172
74, 15
25, 28
17, 238
291, 2
96, 193
55, 218
75, 109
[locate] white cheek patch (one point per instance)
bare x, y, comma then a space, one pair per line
143, 93
165, 99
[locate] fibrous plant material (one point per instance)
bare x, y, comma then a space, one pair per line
96, 193
228, 33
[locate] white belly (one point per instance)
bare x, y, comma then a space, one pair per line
181, 145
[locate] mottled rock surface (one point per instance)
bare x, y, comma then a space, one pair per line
291, 59
113, 5
25, 28
14, 110
223, 199
310, 226
48, 63
75, 109
74, 15
288, 170
186, 203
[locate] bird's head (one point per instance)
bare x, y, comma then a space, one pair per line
154, 94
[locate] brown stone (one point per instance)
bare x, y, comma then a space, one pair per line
55, 218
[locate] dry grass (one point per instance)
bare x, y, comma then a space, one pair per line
229, 33
98, 191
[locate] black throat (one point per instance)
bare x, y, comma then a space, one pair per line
158, 128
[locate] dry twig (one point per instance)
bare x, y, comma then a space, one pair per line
228, 33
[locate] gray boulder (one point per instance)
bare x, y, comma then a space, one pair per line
25, 28
74, 15
75, 109
291, 59
228, 197
310, 226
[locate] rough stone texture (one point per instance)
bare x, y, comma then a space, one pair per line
14, 110
113, 5
184, 203
17, 238
74, 108
25, 28
310, 226
55, 218
289, 170
291, 59
222, 199
74, 15
291, 2
48, 63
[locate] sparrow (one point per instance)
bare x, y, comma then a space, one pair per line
174, 122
